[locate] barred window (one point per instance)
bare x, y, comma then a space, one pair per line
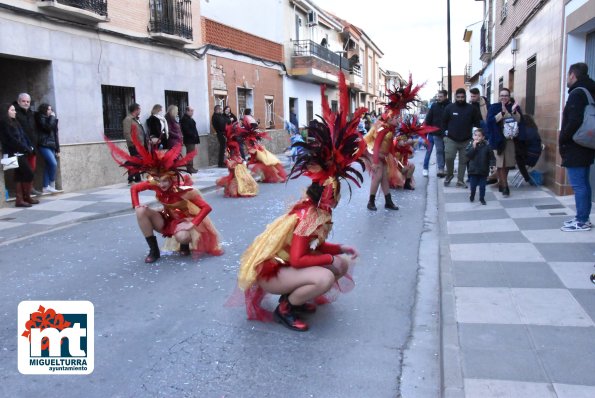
269, 111
116, 100
221, 100
177, 98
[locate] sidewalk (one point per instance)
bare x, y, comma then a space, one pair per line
518, 308
56, 211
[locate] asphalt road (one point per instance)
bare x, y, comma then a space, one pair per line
163, 329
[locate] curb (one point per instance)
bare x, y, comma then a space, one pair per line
452, 373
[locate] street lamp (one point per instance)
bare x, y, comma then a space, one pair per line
441, 83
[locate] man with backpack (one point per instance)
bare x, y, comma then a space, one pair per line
577, 158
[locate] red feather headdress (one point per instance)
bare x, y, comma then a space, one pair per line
155, 162
400, 98
334, 144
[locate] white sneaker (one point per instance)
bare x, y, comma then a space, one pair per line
574, 220
49, 190
425, 173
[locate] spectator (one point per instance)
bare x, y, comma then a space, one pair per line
15, 141
132, 127
157, 126
458, 121
175, 131
434, 118
576, 158
528, 148
229, 115
48, 145
190, 133
26, 119
481, 103
293, 118
504, 112
479, 154
219, 122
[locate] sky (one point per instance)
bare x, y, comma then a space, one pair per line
412, 34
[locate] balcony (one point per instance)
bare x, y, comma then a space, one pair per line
171, 21
315, 63
86, 11
484, 48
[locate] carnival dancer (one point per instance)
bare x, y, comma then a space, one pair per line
380, 140
401, 174
239, 182
262, 163
292, 257
183, 219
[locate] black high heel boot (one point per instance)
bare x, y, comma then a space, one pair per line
408, 184
306, 308
388, 203
154, 252
371, 204
184, 249
285, 314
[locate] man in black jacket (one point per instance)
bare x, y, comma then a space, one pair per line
219, 122
576, 158
190, 134
458, 121
434, 118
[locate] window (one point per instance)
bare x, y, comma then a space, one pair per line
504, 11
244, 101
489, 90
269, 112
221, 100
530, 89
177, 98
500, 84
115, 100
511, 80
334, 106
310, 110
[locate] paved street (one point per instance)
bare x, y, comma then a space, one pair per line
163, 330
487, 301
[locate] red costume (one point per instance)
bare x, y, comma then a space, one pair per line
298, 238
239, 182
182, 204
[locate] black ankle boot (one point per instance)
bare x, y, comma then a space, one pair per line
388, 203
285, 314
184, 249
307, 308
408, 184
154, 252
472, 197
371, 204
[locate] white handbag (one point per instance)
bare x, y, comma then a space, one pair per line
9, 162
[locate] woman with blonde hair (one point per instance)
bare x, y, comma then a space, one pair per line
157, 127
173, 123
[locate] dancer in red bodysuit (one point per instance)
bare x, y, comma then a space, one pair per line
183, 218
292, 257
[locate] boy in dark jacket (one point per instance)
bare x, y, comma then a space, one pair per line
479, 154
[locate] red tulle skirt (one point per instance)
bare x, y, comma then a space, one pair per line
269, 174
254, 296
205, 238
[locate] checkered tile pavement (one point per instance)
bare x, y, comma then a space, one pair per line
524, 307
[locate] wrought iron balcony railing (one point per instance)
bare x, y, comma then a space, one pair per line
308, 48
171, 17
98, 7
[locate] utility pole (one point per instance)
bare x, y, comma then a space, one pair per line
448, 39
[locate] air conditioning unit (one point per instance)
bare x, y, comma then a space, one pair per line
312, 18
